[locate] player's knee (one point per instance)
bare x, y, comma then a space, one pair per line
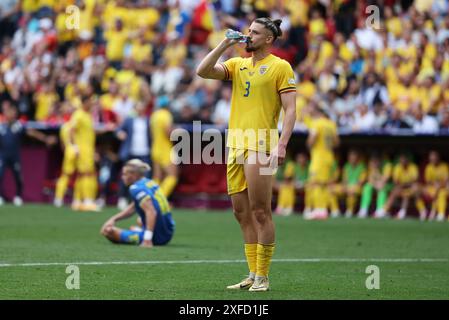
107, 232
262, 215
241, 215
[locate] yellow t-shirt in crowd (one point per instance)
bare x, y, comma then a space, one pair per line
174, 55
44, 102
115, 45
107, 101
141, 52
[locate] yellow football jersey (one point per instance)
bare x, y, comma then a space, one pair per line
83, 124
322, 150
64, 134
256, 101
405, 175
436, 173
44, 103
160, 121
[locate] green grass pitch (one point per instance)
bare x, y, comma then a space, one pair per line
313, 259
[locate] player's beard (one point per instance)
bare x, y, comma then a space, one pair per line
250, 48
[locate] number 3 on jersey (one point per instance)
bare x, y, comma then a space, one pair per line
248, 85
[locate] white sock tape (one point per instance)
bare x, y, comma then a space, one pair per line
148, 235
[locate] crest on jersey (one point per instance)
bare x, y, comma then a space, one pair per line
263, 70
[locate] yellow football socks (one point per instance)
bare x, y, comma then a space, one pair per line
61, 186
251, 256
350, 202
264, 254
168, 185
320, 197
441, 202
420, 205
77, 190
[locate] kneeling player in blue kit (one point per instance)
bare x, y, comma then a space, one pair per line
150, 204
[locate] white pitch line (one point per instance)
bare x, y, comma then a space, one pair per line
303, 260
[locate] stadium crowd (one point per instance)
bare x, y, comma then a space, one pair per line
367, 75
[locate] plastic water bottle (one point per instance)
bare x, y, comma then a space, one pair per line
236, 35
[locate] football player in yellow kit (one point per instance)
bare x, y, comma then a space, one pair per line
322, 139
68, 169
82, 141
436, 176
262, 85
406, 186
165, 172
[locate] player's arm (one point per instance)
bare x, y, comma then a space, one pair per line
208, 67
150, 215
126, 213
42, 137
122, 133
72, 143
311, 138
288, 100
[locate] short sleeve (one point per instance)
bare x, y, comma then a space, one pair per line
229, 67
285, 78
139, 194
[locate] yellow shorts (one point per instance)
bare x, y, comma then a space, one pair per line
430, 191
407, 192
337, 189
85, 162
162, 158
235, 172
320, 172
235, 169
69, 161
